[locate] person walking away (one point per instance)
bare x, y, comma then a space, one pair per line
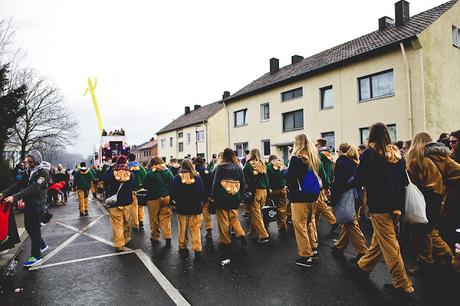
382, 171
450, 171
59, 176
187, 191
255, 175
213, 162
122, 183
82, 182
227, 193
158, 182
206, 177
95, 174
32, 188
139, 172
426, 176
279, 192
174, 166
345, 168
304, 159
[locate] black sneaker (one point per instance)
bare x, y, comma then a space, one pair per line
82, 214
400, 294
360, 273
154, 241
198, 255
141, 226
263, 240
243, 241
168, 242
86, 212
304, 262
315, 253
208, 234
354, 260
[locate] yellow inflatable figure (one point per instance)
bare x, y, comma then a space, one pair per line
96, 106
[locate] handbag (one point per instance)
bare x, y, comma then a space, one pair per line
310, 186
345, 208
415, 205
269, 212
4, 219
112, 200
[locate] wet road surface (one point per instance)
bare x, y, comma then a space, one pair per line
82, 268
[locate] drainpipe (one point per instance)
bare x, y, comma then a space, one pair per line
409, 95
207, 142
228, 125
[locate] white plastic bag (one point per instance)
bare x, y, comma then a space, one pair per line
415, 210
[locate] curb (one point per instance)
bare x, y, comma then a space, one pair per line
13, 253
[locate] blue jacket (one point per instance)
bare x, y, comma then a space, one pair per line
125, 195
206, 177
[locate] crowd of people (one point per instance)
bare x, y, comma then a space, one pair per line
314, 183
119, 132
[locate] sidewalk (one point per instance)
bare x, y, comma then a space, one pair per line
5, 259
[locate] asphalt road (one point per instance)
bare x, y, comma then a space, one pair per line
81, 268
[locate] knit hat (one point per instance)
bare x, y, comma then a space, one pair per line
36, 156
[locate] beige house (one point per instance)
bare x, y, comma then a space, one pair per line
198, 132
405, 74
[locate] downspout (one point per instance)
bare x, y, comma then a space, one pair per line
228, 125
207, 142
409, 95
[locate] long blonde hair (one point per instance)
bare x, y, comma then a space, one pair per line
416, 153
187, 165
303, 147
350, 151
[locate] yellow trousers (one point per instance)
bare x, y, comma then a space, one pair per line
384, 242
119, 217
301, 215
351, 233
160, 218
82, 200
207, 216
93, 187
227, 219
279, 197
257, 222
320, 207
193, 223
428, 243
137, 212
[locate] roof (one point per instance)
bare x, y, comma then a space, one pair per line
147, 145
195, 116
346, 52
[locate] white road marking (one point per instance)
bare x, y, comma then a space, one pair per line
21, 230
95, 237
68, 241
80, 259
173, 293
75, 218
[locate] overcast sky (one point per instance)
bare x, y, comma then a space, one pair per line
152, 58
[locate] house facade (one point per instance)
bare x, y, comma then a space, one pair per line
403, 75
146, 151
198, 132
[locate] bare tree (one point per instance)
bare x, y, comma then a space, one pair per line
47, 121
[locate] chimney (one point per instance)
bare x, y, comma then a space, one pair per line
401, 12
274, 65
385, 22
187, 110
296, 59
196, 106
226, 95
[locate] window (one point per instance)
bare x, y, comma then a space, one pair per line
181, 147
200, 136
265, 112
188, 138
326, 97
456, 36
180, 135
170, 141
364, 133
376, 85
330, 140
240, 117
266, 147
163, 143
292, 94
293, 120
240, 148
